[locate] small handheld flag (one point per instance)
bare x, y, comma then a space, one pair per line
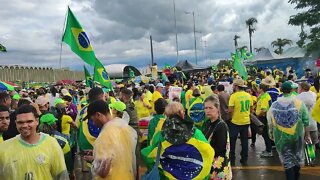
101, 75
2, 48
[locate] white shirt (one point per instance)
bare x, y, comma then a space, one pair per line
309, 99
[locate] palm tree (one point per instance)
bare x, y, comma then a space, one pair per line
250, 24
236, 37
280, 43
259, 49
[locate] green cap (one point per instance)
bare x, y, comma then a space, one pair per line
16, 97
106, 90
118, 105
59, 101
48, 119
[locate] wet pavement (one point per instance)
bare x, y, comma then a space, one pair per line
256, 169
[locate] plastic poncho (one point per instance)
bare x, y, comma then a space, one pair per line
192, 160
287, 118
116, 146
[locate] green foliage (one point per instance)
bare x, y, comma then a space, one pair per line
224, 63
310, 16
280, 43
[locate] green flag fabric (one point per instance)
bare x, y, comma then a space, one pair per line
77, 39
101, 75
246, 55
2, 48
239, 66
88, 77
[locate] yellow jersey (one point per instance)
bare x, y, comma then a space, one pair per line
264, 103
241, 102
142, 111
1, 138
117, 140
65, 124
43, 160
313, 89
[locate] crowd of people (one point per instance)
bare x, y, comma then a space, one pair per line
190, 136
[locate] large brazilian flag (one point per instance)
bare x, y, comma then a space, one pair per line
77, 39
192, 160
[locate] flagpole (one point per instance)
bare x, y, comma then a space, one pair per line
63, 28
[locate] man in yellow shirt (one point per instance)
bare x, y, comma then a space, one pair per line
156, 95
239, 106
4, 120
114, 149
31, 155
263, 105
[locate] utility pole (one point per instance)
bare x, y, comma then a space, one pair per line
152, 59
195, 40
175, 28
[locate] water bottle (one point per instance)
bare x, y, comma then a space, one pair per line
311, 151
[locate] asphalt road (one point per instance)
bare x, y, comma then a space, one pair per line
256, 169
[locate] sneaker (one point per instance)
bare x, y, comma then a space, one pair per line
266, 154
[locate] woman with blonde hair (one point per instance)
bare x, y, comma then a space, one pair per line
217, 133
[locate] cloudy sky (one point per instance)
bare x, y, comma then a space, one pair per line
119, 30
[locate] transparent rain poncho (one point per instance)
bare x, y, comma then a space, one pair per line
114, 151
287, 118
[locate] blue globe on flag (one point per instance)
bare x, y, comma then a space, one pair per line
83, 40
105, 75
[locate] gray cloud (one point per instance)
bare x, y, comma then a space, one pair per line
120, 30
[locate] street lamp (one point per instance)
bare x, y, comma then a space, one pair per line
175, 28
194, 34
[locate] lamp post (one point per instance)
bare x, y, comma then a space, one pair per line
175, 28
194, 34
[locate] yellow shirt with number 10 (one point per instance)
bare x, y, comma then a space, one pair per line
241, 102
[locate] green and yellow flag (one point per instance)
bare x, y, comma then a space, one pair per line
88, 78
239, 66
2, 48
77, 39
101, 75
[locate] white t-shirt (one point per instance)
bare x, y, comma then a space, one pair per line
309, 99
51, 99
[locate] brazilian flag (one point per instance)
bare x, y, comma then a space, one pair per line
88, 78
192, 160
246, 55
2, 48
77, 39
239, 66
101, 75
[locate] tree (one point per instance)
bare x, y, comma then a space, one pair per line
259, 49
311, 18
250, 24
280, 43
236, 37
242, 47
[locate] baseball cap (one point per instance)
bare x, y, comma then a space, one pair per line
118, 105
41, 101
59, 101
159, 85
286, 86
48, 119
16, 97
65, 92
239, 82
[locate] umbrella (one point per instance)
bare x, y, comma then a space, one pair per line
12, 84
6, 87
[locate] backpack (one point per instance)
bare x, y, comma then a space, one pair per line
196, 110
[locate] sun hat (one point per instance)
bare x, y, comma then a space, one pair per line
239, 82
118, 105
269, 81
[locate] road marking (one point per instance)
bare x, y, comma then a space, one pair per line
304, 170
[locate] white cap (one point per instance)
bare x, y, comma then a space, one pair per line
159, 85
